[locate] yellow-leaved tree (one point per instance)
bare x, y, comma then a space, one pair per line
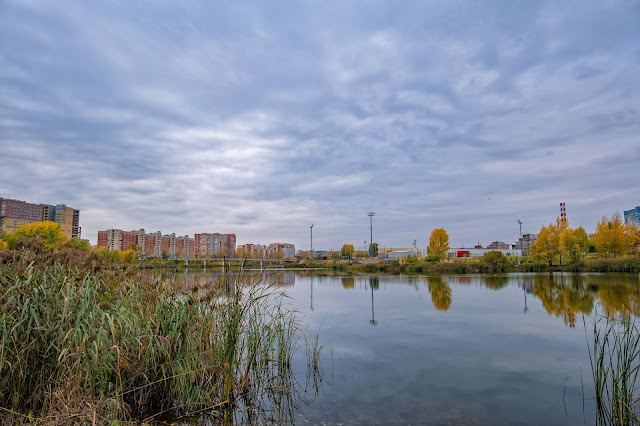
548, 245
438, 243
347, 251
574, 243
3, 245
49, 232
127, 257
632, 237
609, 237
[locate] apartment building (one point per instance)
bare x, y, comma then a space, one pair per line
215, 244
152, 244
15, 213
273, 250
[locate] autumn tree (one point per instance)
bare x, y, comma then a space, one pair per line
373, 249
632, 238
548, 246
49, 232
438, 243
347, 251
574, 243
3, 245
77, 244
127, 257
609, 237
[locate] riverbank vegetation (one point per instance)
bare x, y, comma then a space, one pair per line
87, 340
614, 357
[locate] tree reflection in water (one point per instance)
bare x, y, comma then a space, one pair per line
440, 293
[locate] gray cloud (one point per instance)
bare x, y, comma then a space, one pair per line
261, 119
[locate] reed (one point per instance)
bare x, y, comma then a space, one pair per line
614, 356
80, 345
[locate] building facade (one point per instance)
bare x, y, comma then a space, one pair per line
215, 245
632, 217
479, 252
524, 243
15, 213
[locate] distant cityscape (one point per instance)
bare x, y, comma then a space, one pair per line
15, 213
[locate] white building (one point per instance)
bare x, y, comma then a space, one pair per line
479, 252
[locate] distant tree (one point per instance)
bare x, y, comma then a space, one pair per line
333, 255
609, 237
574, 243
632, 237
547, 246
359, 253
347, 251
373, 249
106, 254
495, 261
49, 232
438, 243
127, 257
77, 244
134, 247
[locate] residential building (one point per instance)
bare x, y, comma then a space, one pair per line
215, 244
285, 250
15, 213
632, 217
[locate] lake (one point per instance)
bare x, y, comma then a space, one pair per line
473, 349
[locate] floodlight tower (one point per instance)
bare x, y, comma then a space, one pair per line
520, 223
311, 254
563, 212
371, 215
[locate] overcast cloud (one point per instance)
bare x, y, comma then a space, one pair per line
262, 117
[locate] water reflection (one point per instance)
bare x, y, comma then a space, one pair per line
562, 295
373, 284
440, 293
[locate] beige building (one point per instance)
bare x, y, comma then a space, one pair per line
15, 213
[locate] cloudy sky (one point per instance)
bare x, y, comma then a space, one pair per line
261, 118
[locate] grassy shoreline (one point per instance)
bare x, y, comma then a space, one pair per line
84, 342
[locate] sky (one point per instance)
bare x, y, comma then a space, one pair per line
261, 118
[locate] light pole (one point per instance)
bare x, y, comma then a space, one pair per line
311, 254
520, 223
371, 215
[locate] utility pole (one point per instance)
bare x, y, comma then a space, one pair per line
371, 215
520, 223
311, 254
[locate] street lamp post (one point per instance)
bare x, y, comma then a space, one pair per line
311, 253
371, 215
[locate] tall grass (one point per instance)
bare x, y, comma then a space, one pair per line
614, 357
81, 344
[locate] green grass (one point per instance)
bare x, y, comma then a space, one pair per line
82, 342
614, 357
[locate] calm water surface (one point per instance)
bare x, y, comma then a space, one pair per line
454, 349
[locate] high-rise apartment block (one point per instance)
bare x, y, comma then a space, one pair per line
632, 217
148, 245
273, 250
15, 213
215, 244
